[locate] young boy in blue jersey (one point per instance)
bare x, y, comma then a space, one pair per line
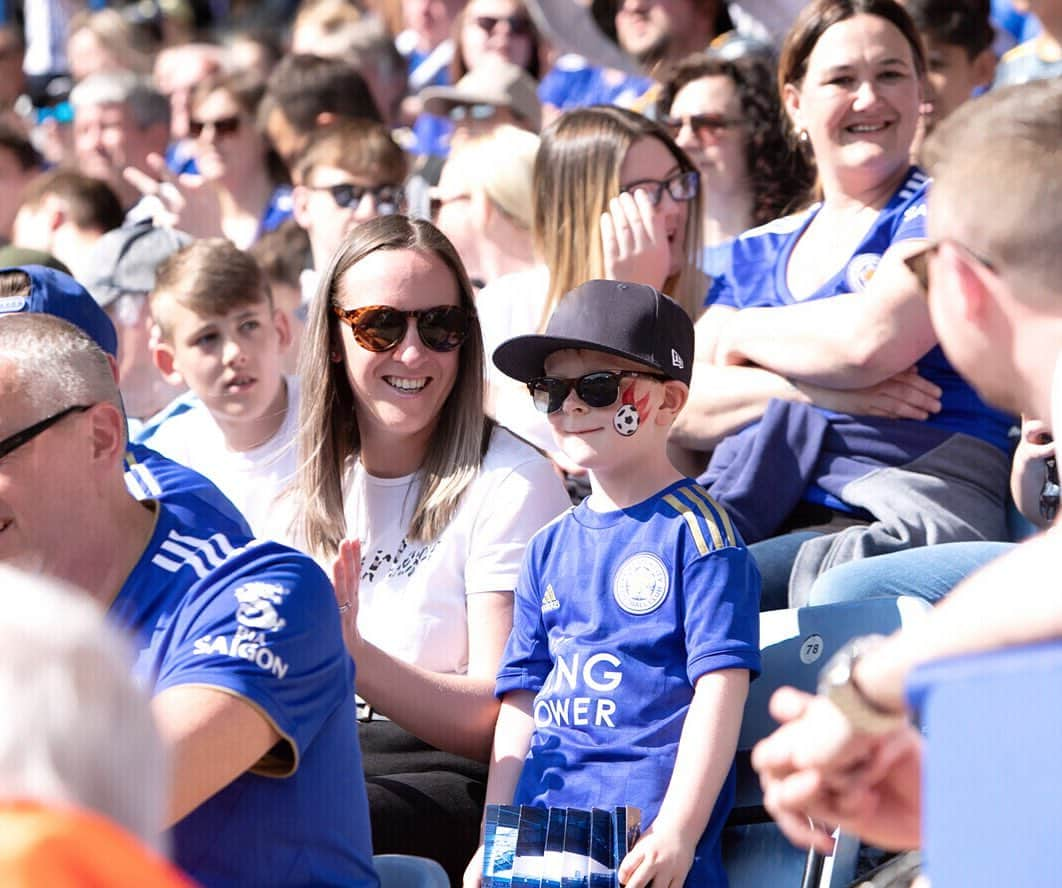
635, 628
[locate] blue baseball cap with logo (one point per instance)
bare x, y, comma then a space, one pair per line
55, 293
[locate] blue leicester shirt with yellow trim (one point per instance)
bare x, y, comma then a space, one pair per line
257, 620
617, 616
754, 276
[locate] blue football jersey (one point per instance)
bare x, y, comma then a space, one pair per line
258, 621
754, 276
617, 616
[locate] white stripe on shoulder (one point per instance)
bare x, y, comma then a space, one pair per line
202, 555
783, 225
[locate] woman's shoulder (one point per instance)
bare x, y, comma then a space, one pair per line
507, 451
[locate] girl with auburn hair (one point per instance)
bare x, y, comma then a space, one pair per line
424, 506
615, 198
817, 352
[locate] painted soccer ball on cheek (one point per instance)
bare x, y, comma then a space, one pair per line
626, 420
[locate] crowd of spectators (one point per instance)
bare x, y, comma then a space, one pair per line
256, 262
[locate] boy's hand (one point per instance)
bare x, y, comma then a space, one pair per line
661, 858
346, 571
474, 871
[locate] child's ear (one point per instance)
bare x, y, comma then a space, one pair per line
162, 355
283, 327
675, 397
984, 67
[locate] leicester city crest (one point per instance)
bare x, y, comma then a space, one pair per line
640, 585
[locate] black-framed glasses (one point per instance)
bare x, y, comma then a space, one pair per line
223, 126
918, 262
12, 442
379, 328
519, 25
388, 198
598, 389
702, 124
682, 186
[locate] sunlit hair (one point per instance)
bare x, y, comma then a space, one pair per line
55, 364
328, 437
131, 47
361, 147
997, 182
778, 176
77, 729
211, 277
812, 22
501, 163
577, 172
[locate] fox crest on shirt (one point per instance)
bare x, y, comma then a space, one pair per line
256, 612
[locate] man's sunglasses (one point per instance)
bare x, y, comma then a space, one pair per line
681, 186
223, 126
379, 328
701, 124
598, 389
388, 198
13, 442
918, 262
518, 25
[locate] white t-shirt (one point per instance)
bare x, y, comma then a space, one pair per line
251, 479
513, 305
412, 595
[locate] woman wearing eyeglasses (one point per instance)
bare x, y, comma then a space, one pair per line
240, 189
725, 114
842, 430
395, 452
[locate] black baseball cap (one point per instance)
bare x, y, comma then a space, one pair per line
629, 320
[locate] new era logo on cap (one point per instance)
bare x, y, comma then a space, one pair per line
676, 360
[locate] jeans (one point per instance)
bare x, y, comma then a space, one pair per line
928, 572
774, 557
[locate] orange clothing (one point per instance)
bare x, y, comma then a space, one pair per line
53, 847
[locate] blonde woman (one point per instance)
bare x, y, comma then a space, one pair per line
615, 198
396, 452
484, 202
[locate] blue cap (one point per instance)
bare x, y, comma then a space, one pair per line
55, 293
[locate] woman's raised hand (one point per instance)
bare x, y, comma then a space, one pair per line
634, 240
346, 571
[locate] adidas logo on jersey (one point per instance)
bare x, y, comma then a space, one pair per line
549, 600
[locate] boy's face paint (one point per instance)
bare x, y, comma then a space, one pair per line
630, 414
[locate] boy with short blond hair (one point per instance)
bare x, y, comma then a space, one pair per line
636, 618
218, 331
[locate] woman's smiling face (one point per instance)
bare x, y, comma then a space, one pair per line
860, 97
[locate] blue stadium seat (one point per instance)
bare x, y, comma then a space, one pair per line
407, 871
992, 782
794, 645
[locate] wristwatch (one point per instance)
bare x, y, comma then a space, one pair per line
837, 685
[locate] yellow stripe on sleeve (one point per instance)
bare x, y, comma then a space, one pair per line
699, 495
691, 520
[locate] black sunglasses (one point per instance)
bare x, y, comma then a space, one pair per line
518, 24
681, 186
598, 389
223, 126
387, 198
701, 124
13, 442
379, 328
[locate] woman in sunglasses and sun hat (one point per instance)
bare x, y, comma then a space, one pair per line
240, 189
428, 506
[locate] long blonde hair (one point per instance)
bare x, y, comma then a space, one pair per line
328, 439
577, 172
